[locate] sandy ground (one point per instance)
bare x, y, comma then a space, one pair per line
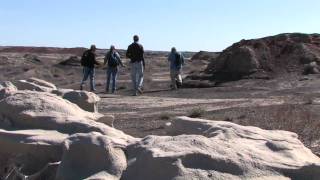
288, 103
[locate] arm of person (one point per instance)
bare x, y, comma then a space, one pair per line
143, 61
128, 53
94, 59
105, 60
119, 59
182, 59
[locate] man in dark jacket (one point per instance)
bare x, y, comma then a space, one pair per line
88, 62
135, 53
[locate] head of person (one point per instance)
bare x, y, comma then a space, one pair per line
173, 50
136, 38
93, 48
112, 48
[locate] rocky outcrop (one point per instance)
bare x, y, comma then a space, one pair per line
311, 68
43, 136
30, 153
266, 58
88, 101
41, 110
205, 149
43, 50
39, 135
85, 100
205, 55
102, 158
71, 61
34, 84
275, 56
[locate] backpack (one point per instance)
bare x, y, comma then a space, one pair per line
112, 60
178, 60
84, 58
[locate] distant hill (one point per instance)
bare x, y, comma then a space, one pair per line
42, 50
273, 56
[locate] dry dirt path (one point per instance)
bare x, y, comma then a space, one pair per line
148, 114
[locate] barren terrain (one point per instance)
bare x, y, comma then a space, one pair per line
286, 103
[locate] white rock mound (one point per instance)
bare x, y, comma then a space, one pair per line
91, 155
42, 110
34, 84
86, 100
29, 152
44, 134
221, 150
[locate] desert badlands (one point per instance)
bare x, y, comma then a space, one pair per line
249, 112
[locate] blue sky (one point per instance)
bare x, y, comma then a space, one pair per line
187, 24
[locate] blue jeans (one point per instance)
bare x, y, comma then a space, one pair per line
89, 72
112, 72
137, 75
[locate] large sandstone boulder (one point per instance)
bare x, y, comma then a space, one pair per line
34, 84
88, 101
85, 100
91, 156
220, 150
41, 110
29, 152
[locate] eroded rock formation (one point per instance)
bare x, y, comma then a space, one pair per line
44, 136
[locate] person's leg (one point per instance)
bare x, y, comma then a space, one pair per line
173, 79
134, 77
92, 81
140, 76
179, 78
114, 79
109, 72
85, 76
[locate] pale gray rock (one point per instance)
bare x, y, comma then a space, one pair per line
30, 153
206, 149
91, 156
85, 100
41, 110
34, 84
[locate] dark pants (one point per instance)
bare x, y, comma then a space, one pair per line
88, 72
112, 72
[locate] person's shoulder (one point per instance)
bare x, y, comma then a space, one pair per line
117, 54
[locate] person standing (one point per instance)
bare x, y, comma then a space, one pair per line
176, 60
135, 53
88, 61
113, 60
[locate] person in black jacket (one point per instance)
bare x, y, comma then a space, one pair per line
135, 53
88, 61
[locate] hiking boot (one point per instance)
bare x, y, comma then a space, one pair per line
140, 90
178, 84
